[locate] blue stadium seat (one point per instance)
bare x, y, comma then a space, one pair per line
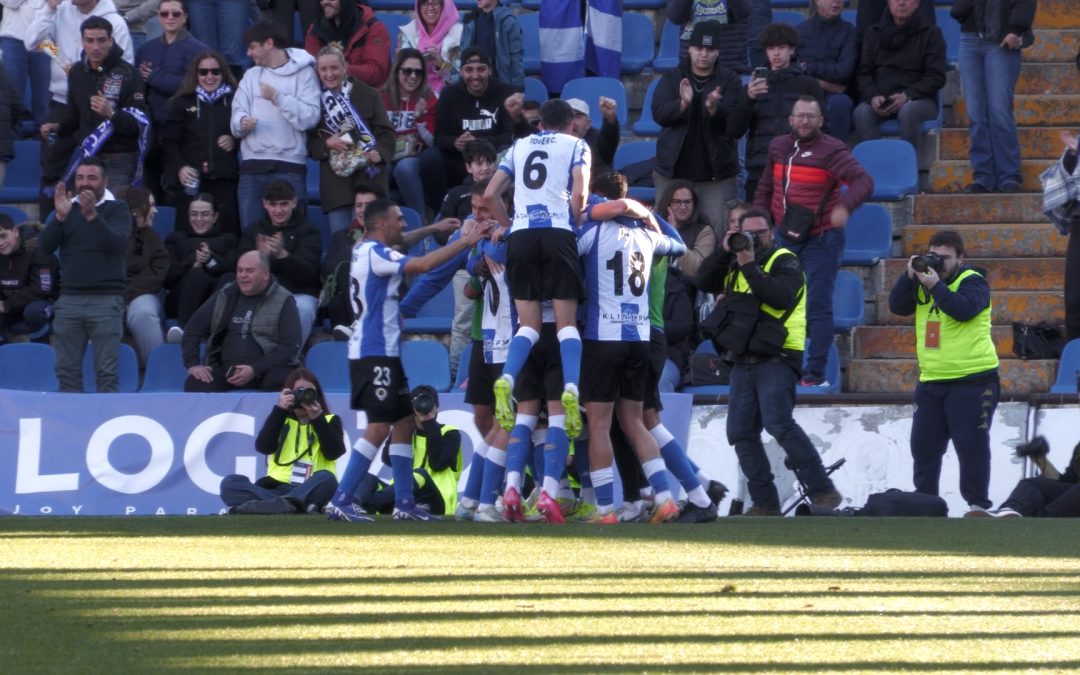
646, 125
1068, 368
950, 30
892, 164
462, 378
849, 15
413, 222
590, 89
643, 4
534, 5
535, 90
631, 153
637, 43
667, 55
868, 236
319, 219
530, 31
426, 362
128, 370
312, 182
892, 127
706, 347
165, 369
391, 4
28, 366
790, 18
22, 180
17, 215
797, 4
434, 316
832, 375
164, 221
849, 308
394, 22
330, 362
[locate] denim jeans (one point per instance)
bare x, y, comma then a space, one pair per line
838, 108
20, 65
988, 74
820, 257
407, 178
910, 118
83, 318
307, 306
339, 219
143, 321
249, 193
315, 491
763, 397
220, 25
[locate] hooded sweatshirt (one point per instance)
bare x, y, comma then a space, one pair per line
279, 135
61, 26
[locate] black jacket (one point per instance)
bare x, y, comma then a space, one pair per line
767, 117
298, 272
189, 138
603, 143
721, 147
828, 50
459, 111
329, 433
182, 245
28, 274
120, 83
11, 113
996, 18
733, 37
908, 58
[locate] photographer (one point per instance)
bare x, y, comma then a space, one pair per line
436, 451
761, 323
958, 387
302, 440
1051, 495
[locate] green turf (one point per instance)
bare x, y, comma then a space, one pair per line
114, 595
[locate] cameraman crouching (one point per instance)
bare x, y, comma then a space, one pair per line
761, 323
436, 462
302, 440
1051, 495
958, 387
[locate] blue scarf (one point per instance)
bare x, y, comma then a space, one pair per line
97, 138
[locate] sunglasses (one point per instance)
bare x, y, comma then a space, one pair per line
412, 72
165, 14
209, 71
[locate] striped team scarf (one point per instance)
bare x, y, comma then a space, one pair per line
603, 37
562, 43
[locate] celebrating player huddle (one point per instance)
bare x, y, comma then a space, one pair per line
559, 247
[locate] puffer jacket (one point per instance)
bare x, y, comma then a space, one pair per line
367, 53
122, 84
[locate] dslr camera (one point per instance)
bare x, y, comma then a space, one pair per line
303, 396
738, 241
928, 261
1036, 447
424, 400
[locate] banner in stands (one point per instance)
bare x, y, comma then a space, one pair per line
162, 454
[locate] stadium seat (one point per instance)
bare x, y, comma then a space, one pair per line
413, 222
128, 370
950, 30
868, 236
631, 153
22, 179
892, 127
1068, 368
637, 43
849, 15
892, 164
320, 220
435, 316
790, 18
165, 369
535, 90
783, 4
646, 125
590, 89
426, 362
706, 347
643, 4
462, 378
312, 182
28, 366
17, 215
667, 55
330, 362
530, 31
394, 22
391, 4
849, 309
164, 221
832, 375
534, 5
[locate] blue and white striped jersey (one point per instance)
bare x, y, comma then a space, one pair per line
542, 167
374, 283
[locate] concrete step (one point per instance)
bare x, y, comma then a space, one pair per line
896, 375
952, 175
1013, 274
1053, 46
1021, 240
1057, 110
1048, 78
898, 342
1035, 143
961, 208
1057, 14
1005, 307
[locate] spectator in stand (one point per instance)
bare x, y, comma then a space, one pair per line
991, 37
147, 264
275, 104
901, 70
359, 34
807, 168
436, 34
334, 299
678, 327
692, 104
480, 162
28, 280
282, 12
765, 109
731, 17
829, 51
603, 142
410, 104
11, 113
200, 151
679, 205
251, 330
530, 112
869, 12
136, 13
353, 142
220, 25
198, 254
293, 247
496, 30
470, 109
23, 63
1064, 192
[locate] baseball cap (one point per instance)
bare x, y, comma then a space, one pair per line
475, 54
578, 106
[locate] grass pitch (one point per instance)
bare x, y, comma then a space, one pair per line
250, 594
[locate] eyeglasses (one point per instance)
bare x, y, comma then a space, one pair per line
809, 117
431, 3
682, 202
412, 72
203, 72
176, 14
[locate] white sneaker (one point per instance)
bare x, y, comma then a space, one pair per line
342, 333
630, 513
175, 335
1005, 512
487, 514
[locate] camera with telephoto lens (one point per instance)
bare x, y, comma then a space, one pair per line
1036, 447
303, 396
738, 241
928, 261
423, 402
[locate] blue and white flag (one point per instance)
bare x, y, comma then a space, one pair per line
603, 37
562, 43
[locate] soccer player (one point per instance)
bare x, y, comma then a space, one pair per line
379, 387
550, 174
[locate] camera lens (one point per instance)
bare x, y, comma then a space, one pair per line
423, 403
738, 242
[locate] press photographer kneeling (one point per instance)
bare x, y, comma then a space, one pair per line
302, 440
1051, 495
